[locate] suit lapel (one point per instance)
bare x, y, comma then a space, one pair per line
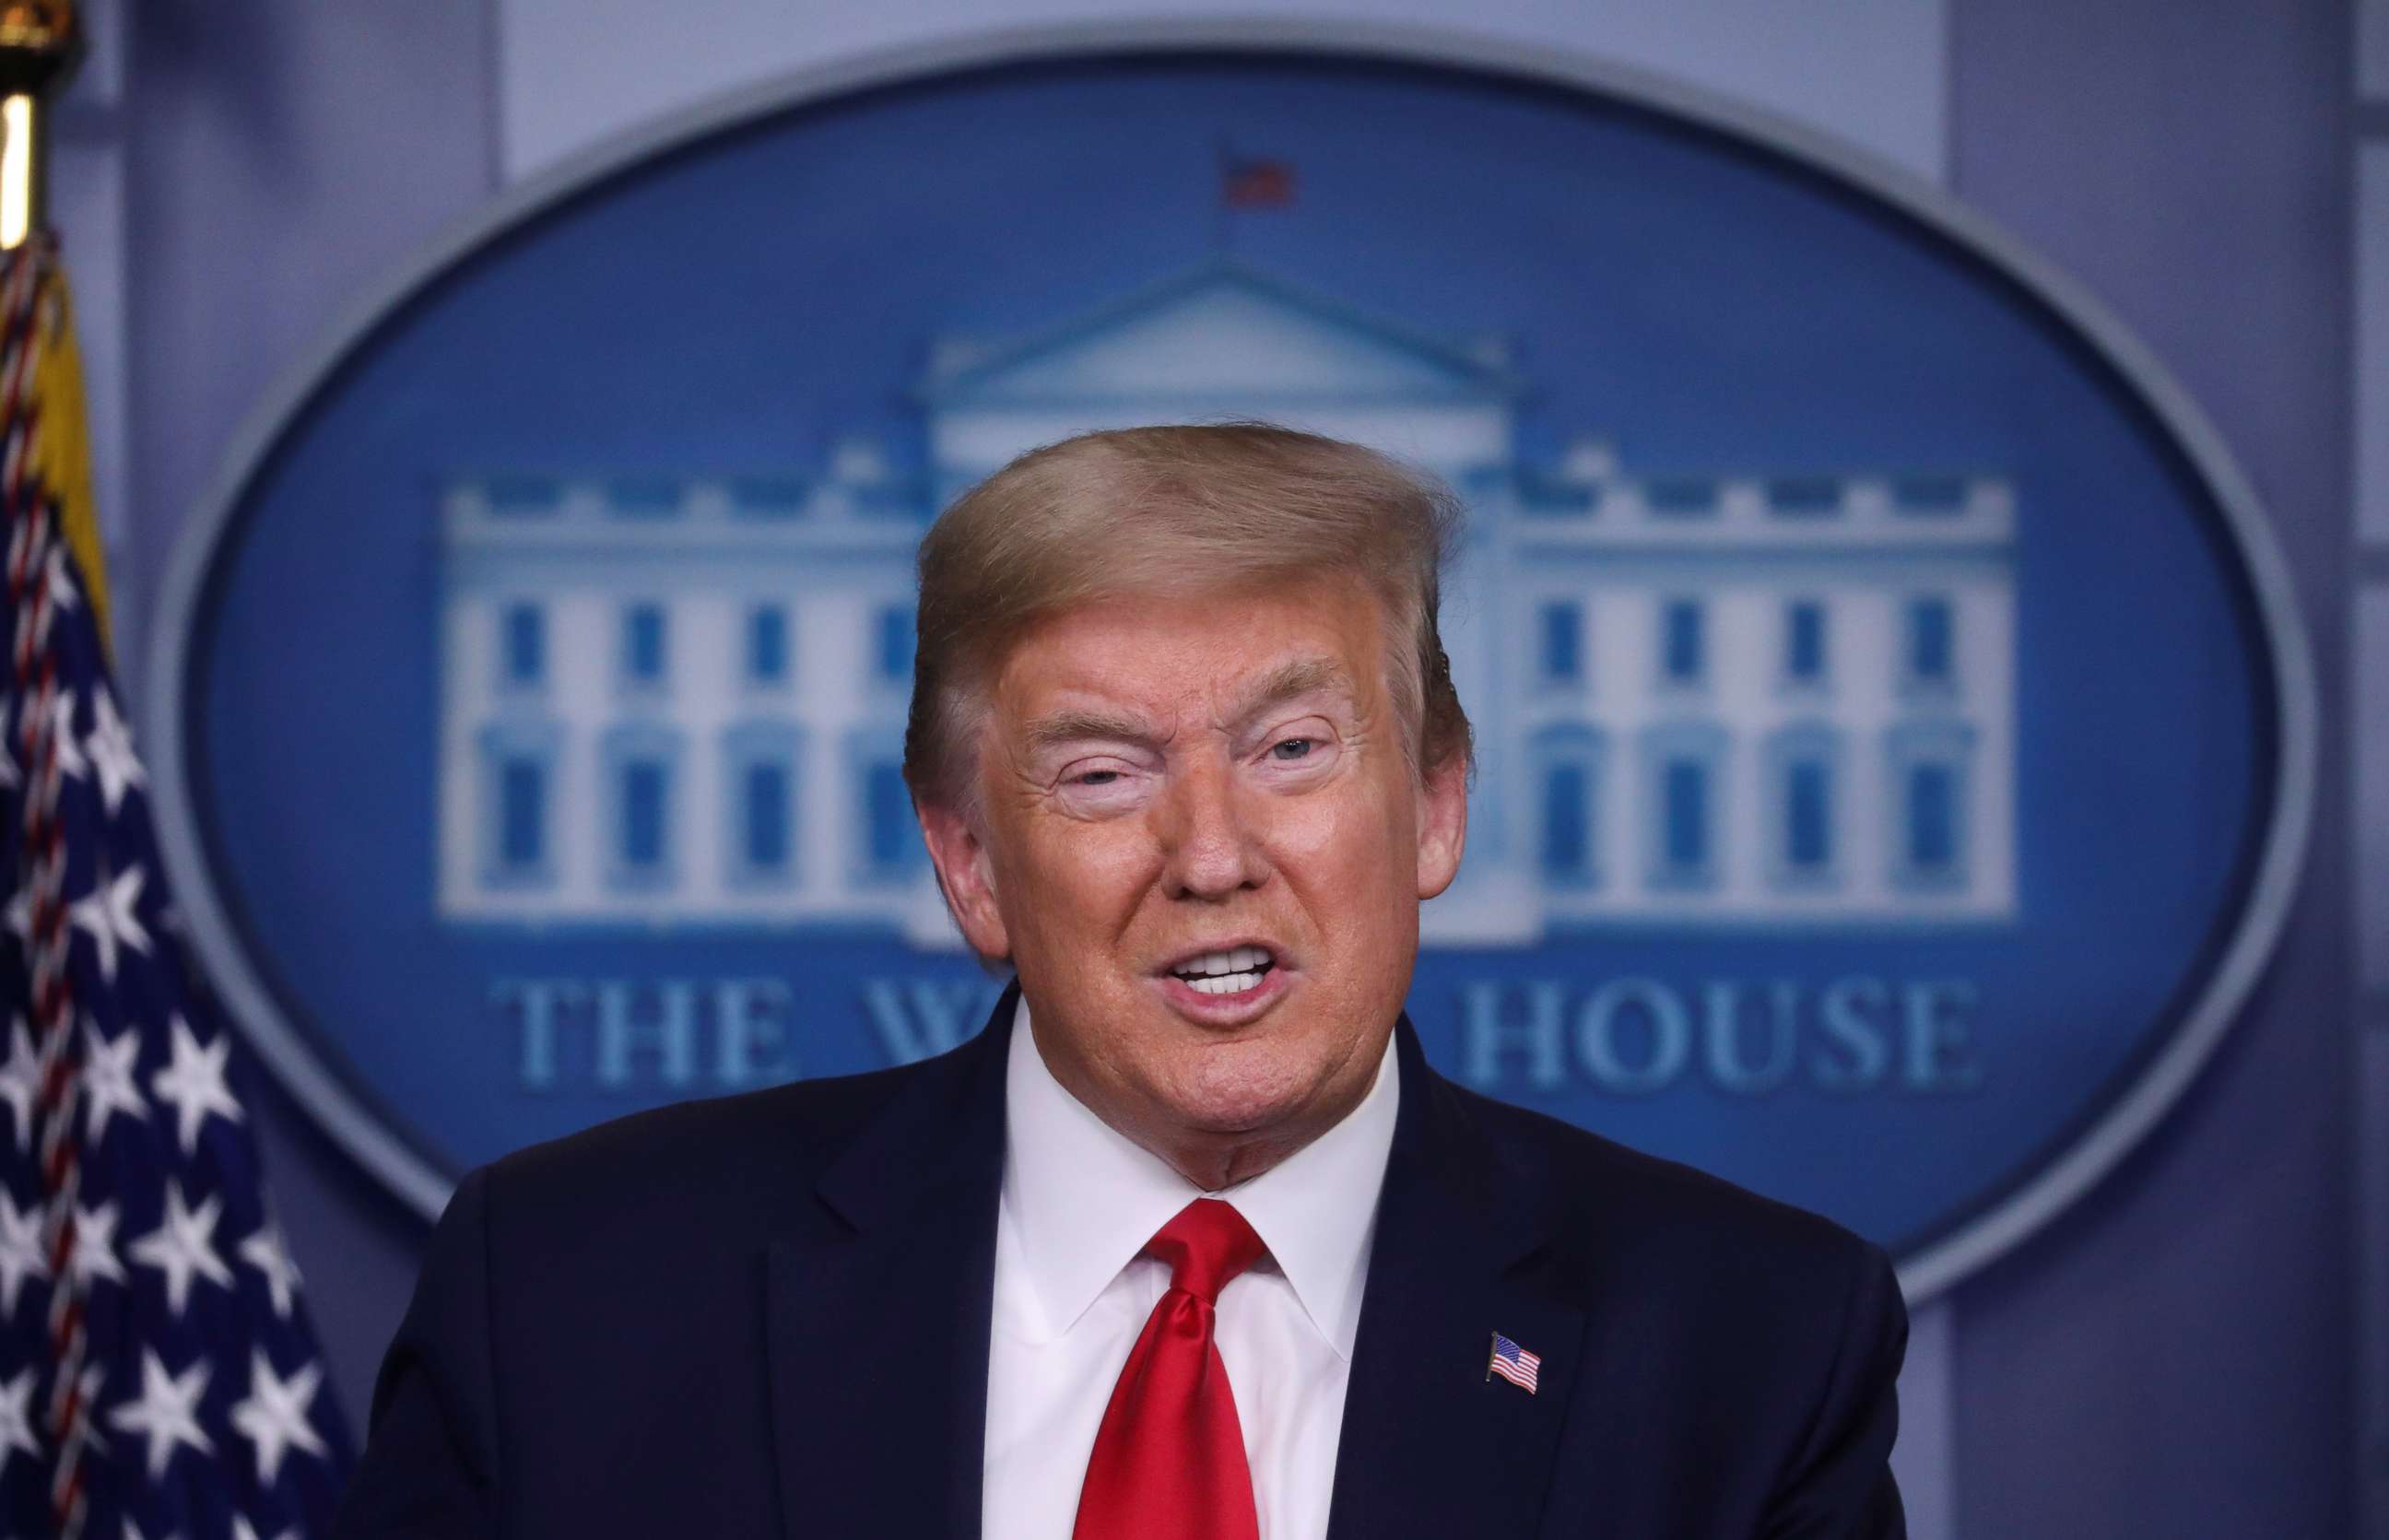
877, 1317
1431, 1445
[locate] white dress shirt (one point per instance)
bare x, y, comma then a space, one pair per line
1071, 1295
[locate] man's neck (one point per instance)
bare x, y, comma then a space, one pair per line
1212, 1160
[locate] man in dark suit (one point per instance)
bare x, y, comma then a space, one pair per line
1190, 1242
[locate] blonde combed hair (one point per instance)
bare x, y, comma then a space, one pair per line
1175, 509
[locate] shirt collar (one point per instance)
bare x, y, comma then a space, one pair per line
1083, 1199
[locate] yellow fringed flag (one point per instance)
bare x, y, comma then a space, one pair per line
52, 404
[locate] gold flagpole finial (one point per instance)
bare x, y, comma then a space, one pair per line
44, 26
41, 42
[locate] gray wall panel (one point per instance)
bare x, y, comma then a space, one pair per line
2173, 1358
2371, 727
284, 155
2371, 217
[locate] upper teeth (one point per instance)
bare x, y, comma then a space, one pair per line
1235, 960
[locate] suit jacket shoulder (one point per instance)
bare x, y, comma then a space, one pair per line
591, 1348
1765, 1338
1712, 1363
745, 1164
1678, 1218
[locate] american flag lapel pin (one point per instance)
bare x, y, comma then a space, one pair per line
1512, 1363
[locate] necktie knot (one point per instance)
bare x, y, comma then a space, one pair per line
1205, 1245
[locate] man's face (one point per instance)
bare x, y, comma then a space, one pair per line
1202, 844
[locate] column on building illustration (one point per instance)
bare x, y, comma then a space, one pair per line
519, 751
1929, 752
1570, 754
1804, 779
888, 851
640, 752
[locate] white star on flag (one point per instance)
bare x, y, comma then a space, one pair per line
107, 913
10, 777
108, 1085
274, 1418
15, 1419
94, 1246
20, 1250
110, 748
267, 1253
20, 916
89, 1383
61, 581
63, 735
243, 1530
167, 1411
194, 1081
183, 1247
21, 1080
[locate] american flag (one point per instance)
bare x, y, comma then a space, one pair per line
157, 1374
1249, 184
1514, 1363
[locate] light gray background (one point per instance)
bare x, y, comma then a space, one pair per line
573, 71
2177, 1357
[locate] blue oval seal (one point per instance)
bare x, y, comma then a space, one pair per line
1896, 734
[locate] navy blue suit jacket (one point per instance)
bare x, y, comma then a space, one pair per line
767, 1315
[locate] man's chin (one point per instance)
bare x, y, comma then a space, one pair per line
1243, 1089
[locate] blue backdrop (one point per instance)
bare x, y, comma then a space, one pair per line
741, 304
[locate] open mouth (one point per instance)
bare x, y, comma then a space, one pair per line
1232, 971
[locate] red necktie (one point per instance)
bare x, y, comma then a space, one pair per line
1169, 1462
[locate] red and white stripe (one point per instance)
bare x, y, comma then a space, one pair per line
28, 296
1520, 1372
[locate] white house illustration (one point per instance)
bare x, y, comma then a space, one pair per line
1699, 699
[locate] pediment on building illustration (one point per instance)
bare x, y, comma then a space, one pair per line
1225, 330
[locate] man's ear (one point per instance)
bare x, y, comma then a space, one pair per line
965, 876
1442, 824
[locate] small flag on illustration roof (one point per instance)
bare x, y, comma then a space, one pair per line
158, 1373
1246, 183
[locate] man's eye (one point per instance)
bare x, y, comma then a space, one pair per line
1095, 777
1293, 748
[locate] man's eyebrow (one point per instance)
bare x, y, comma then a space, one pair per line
1297, 677
1301, 676
1079, 726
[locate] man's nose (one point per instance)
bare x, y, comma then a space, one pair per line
1209, 848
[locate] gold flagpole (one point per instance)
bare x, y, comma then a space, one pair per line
40, 46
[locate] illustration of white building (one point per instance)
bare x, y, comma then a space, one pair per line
1699, 699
